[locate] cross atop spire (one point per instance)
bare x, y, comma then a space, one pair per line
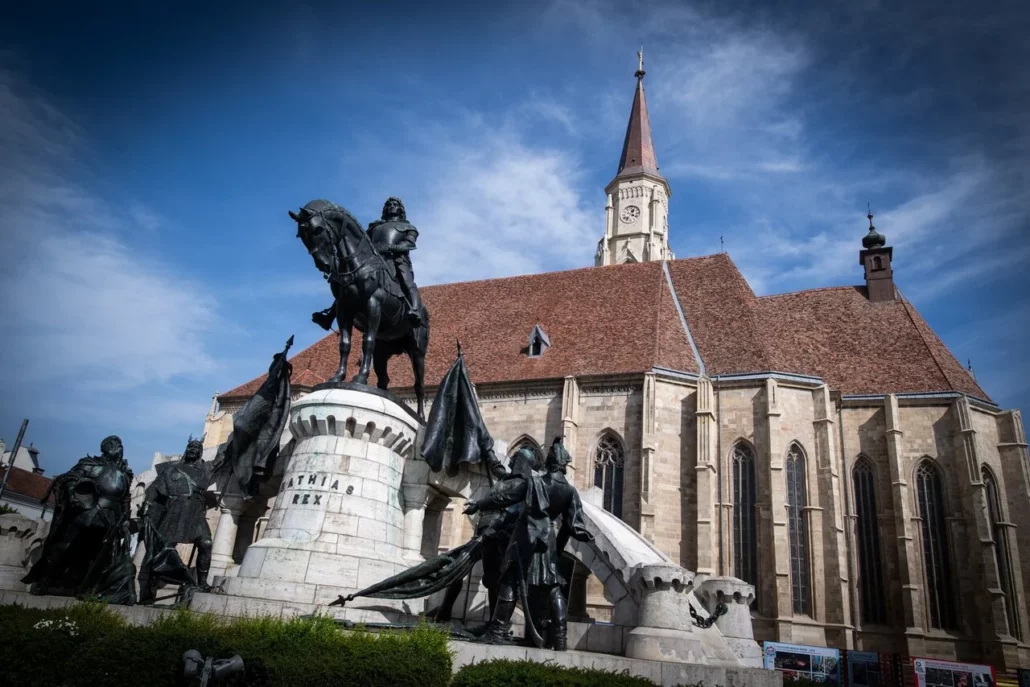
638, 150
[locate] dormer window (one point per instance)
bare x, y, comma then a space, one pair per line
538, 342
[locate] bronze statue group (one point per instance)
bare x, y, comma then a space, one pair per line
88, 551
524, 522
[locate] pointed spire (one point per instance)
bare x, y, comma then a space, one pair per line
638, 149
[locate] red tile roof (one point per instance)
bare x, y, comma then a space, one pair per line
622, 319
26, 483
857, 346
600, 320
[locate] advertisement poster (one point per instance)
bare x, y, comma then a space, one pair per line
864, 669
933, 673
814, 663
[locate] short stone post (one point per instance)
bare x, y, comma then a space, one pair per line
735, 623
664, 630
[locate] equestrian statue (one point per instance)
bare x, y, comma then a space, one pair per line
373, 286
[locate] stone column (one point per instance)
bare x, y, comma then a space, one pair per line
705, 474
224, 537
648, 443
992, 625
337, 523
1012, 449
570, 430
830, 494
416, 497
735, 624
777, 555
909, 572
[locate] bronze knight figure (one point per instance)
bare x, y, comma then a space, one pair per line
176, 505
87, 550
552, 514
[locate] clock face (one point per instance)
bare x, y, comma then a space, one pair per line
629, 213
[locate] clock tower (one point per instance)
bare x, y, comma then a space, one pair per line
636, 222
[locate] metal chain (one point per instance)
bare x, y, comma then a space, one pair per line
720, 609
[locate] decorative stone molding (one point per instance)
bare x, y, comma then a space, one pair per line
608, 390
350, 414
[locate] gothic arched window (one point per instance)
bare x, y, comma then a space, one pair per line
797, 530
745, 542
608, 463
930, 495
870, 571
526, 442
1001, 550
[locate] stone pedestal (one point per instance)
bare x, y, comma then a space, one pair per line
337, 523
735, 624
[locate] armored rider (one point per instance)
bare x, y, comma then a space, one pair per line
394, 237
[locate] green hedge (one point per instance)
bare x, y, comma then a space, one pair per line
506, 673
87, 644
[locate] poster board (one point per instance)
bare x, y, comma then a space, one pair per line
815, 663
931, 672
864, 669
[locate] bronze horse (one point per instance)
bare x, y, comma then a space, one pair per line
367, 295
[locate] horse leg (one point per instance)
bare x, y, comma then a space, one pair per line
346, 323
418, 368
368, 342
379, 363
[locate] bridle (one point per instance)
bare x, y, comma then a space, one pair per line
335, 273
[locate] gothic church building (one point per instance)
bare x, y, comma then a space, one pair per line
824, 445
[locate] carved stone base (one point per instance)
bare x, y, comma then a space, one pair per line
735, 624
337, 522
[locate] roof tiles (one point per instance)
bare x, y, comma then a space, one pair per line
622, 319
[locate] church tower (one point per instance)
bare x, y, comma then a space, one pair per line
636, 223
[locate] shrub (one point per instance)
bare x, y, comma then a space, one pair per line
87, 644
506, 673
7, 510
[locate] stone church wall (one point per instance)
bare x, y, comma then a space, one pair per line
673, 473
771, 416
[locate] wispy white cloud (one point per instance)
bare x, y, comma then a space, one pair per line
92, 323
489, 192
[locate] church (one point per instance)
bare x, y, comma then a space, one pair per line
824, 445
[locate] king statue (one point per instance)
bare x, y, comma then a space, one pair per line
394, 237
175, 506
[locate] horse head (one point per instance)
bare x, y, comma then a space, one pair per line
318, 234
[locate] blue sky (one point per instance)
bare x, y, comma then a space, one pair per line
150, 155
